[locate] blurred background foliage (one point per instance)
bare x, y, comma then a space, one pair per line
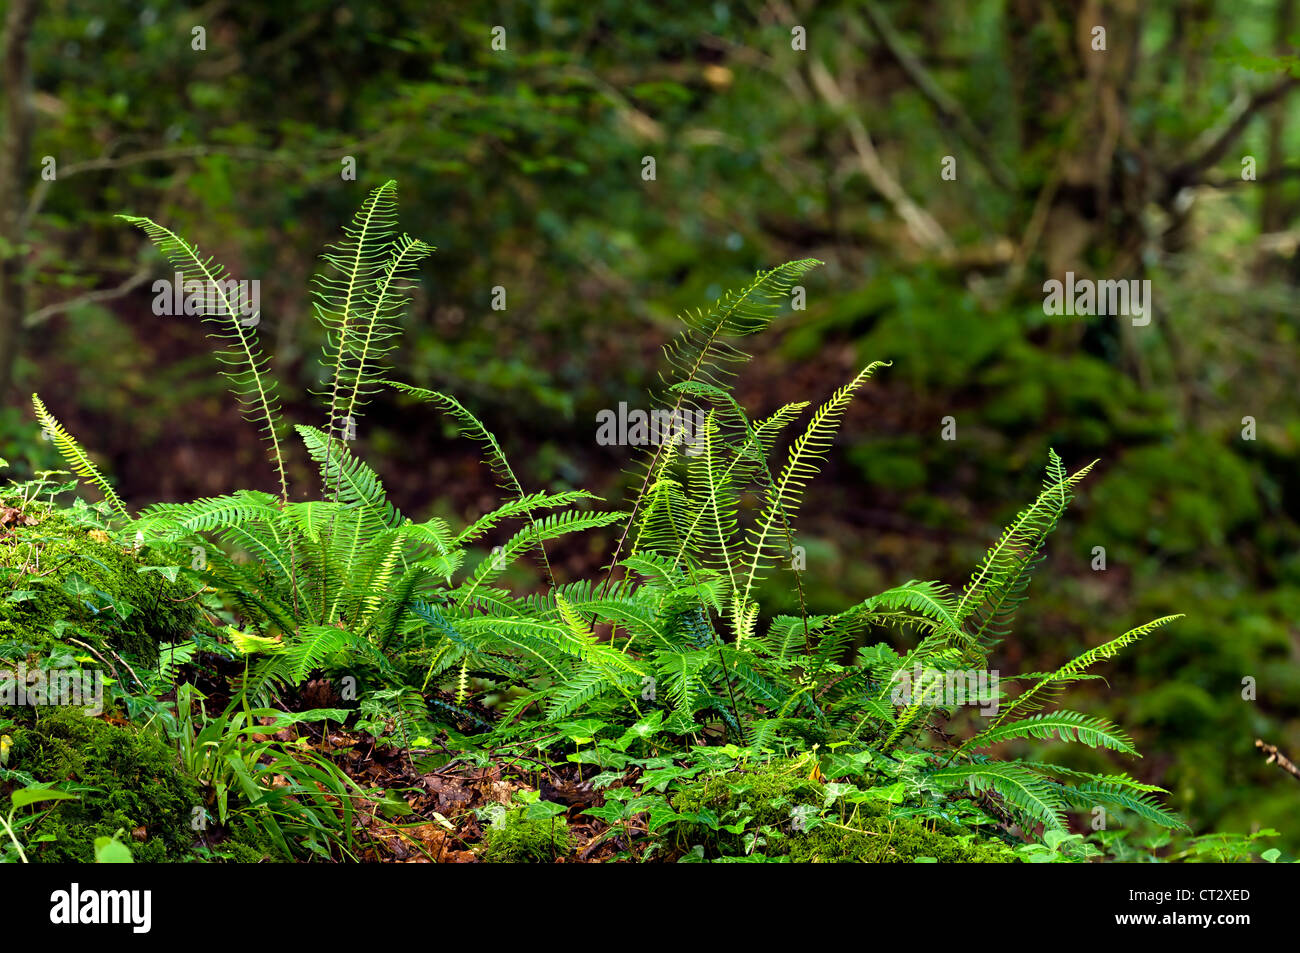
524, 167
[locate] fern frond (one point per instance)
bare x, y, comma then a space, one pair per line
1093, 731
244, 364
801, 466
361, 353
177, 520
997, 586
77, 460
1089, 795
341, 294
705, 351
1035, 797
471, 427
1074, 669
550, 527
350, 478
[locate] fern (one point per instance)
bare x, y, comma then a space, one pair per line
801, 467
244, 364
71, 451
1027, 792
1093, 731
681, 640
705, 350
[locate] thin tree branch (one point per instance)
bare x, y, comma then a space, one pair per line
946, 106
1190, 172
90, 297
928, 233
149, 155
1276, 175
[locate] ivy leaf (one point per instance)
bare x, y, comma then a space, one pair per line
110, 850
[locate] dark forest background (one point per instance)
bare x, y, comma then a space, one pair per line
1171, 155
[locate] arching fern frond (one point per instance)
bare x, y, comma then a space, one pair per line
244, 364
76, 457
1035, 797
1093, 731
1071, 671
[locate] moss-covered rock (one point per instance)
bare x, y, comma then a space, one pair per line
523, 840
766, 798
60, 579
768, 793
125, 780
889, 840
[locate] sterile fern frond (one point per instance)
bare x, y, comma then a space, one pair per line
244, 364
1094, 731
1021, 788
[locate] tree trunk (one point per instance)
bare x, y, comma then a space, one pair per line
14, 164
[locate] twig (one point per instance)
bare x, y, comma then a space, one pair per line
92, 651
137, 678
1278, 758
949, 109
1218, 143
928, 233
91, 297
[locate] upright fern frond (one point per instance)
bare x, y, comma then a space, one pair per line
801, 466
71, 451
997, 586
705, 351
365, 350
347, 291
244, 364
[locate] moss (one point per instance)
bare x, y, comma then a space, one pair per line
765, 797
57, 576
769, 792
523, 840
126, 780
890, 840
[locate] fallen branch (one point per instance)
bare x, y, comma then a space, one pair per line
927, 232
